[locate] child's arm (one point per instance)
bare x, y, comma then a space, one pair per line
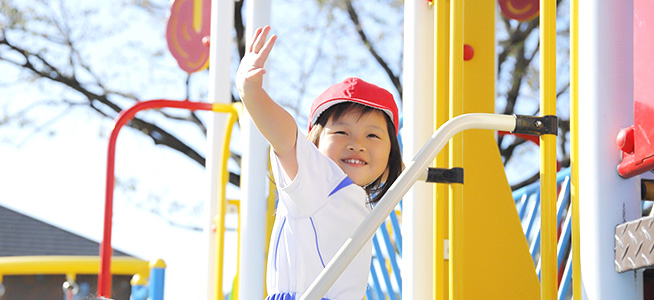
272, 120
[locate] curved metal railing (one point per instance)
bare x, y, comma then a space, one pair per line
232, 110
385, 279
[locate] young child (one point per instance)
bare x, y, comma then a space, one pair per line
327, 183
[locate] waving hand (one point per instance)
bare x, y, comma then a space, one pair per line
272, 120
249, 77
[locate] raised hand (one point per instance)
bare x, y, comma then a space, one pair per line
272, 120
249, 77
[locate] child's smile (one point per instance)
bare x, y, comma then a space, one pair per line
354, 161
359, 144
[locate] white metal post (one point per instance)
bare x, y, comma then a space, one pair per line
418, 109
220, 56
605, 107
254, 167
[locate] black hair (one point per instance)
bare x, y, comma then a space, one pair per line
377, 188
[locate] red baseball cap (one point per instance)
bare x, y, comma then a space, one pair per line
358, 91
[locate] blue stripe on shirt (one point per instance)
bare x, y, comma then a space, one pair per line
315, 234
277, 244
344, 183
284, 296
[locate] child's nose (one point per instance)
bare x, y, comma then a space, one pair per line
355, 145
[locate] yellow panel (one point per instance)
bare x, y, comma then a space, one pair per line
496, 260
497, 263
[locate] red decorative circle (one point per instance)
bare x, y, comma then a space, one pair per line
521, 10
186, 42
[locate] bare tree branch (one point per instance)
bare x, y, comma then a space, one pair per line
354, 17
101, 102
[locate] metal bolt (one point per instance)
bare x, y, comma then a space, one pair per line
538, 124
70, 286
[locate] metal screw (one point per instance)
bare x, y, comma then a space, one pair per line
538, 124
70, 286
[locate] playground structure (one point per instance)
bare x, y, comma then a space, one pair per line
477, 232
147, 281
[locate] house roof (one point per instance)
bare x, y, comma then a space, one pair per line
21, 235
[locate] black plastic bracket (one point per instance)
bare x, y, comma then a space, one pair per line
440, 175
536, 125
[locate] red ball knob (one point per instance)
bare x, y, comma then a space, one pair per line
468, 52
625, 140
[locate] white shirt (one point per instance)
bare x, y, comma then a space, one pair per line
317, 211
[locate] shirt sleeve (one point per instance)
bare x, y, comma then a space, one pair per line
316, 177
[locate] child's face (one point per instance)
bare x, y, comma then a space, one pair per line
359, 144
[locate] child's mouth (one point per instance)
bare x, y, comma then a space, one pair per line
354, 161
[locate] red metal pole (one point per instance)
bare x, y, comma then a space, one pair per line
104, 278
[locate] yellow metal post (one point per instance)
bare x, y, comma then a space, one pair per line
219, 219
270, 215
549, 278
441, 69
48, 265
456, 108
237, 204
574, 146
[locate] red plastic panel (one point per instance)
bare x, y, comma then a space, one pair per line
636, 142
186, 43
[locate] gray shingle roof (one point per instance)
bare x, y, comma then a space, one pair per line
21, 235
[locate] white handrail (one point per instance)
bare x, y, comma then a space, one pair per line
401, 186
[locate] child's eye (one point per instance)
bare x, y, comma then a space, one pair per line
372, 135
340, 132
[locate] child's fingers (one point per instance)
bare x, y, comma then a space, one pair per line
261, 39
254, 38
263, 54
